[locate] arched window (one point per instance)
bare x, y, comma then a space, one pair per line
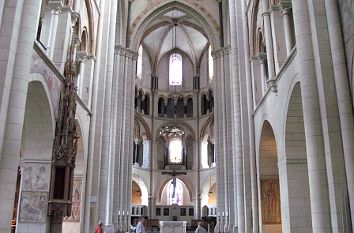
210, 64
175, 192
175, 148
139, 65
175, 75
83, 44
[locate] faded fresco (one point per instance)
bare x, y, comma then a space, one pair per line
35, 178
33, 207
76, 200
53, 82
270, 197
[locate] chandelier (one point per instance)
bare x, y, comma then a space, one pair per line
171, 130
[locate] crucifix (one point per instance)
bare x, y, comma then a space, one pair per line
174, 175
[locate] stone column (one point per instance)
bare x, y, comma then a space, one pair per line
95, 137
62, 40
225, 188
79, 82
343, 95
236, 133
2, 3
262, 61
278, 37
269, 42
138, 152
8, 45
86, 89
250, 107
320, 212
49, 27
146, 154
106, 202
124, 125
77, 5
255, 73
286, 12
10, 153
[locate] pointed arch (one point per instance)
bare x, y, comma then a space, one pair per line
207, 22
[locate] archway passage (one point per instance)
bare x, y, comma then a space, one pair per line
269, 181
35, 161
294, 171
177, 194
136, 194
212, 195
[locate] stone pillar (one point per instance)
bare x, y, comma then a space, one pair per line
286, 12
343, 95
146, 154
278, 37
250, 107
62, 39
79, 82
269, 42
124, 124
152, 207
8, 45
2, 3
236, 218
224, 141
77, 5
262, 61
10, 153
256, 84
95, 158
320, 213
87, 82
49, 27
136, 151
106, 201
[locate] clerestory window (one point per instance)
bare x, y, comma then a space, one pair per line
175, 151
175, 75
139, 65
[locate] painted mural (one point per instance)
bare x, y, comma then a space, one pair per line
270, 197
53, 82
76, 200
35, 178
33, 207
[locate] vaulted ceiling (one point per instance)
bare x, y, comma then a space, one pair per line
175, 30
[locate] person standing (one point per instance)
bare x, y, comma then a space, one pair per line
140, 226
99, 228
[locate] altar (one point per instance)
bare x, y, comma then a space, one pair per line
173, 226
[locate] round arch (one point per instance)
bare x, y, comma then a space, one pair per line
206, 185
142, 185
165, 182
164, 195
268, 180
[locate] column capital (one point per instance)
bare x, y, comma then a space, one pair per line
262, 57
266, 13
55, 5
81, 56
219, 52
127, 52
285, 6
